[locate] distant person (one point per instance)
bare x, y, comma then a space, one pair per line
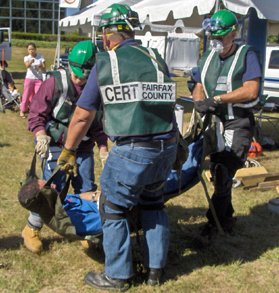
5, 76
12, 89
35, 64
5, 80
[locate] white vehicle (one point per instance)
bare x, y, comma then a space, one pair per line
271, 74
5, 43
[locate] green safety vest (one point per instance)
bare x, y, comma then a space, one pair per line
63, 105
138, 96
223, 77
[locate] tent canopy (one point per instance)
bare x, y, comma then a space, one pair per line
90, 15
162, 15
160, 10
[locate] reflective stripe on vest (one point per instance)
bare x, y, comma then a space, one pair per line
63, 96
160, 75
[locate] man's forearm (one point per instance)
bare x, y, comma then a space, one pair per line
78, 127
198, 93
248, 92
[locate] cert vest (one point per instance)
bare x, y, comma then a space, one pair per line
138, 96
219, 77
63, 105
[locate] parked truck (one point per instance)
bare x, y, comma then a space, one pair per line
271, 74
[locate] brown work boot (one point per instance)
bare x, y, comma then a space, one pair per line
85, 244
32, 239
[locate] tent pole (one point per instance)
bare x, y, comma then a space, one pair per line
93, 37
57, 54
217, 5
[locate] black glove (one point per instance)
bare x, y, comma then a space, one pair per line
206, 106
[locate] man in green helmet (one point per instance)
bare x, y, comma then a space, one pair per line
227, 87
48, 120
133, 85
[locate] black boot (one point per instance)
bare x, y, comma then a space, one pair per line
155, 277
102, 281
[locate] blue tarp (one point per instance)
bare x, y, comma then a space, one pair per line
84, 215
179, 182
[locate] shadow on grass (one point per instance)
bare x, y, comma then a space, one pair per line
18, 75
253, 236
15, 241
2, 145
10, 242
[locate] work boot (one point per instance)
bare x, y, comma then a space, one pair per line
32, 239
209, 230
86, 244
155, 277
102, 281
229, 224
94, 241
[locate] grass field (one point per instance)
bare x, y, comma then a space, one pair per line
245, 262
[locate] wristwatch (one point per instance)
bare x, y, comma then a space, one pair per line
217, 99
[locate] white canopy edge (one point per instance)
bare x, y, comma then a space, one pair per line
266, 9
91, 13
159, 10
179, 24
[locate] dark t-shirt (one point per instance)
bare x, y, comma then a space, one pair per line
6, 77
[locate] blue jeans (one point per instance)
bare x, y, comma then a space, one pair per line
83, 182
132, 176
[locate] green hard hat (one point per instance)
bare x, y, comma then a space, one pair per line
82, 58
225, 22
121, 16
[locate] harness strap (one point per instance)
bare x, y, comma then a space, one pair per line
152, 57
160, 75
64, 93
64, 191
114, 67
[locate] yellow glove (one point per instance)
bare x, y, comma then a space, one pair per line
67, 161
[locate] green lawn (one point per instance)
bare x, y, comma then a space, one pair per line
246, 262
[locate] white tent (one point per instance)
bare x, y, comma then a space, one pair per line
87, 18
162, 15
161, 10
82, 20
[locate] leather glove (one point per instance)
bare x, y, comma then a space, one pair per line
103, 157
42, 145
67, 161
206, 106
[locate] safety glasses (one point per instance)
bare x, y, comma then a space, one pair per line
212, 25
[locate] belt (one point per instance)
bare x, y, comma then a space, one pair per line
147, 144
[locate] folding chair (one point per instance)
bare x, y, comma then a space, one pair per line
9, 100
270, 120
